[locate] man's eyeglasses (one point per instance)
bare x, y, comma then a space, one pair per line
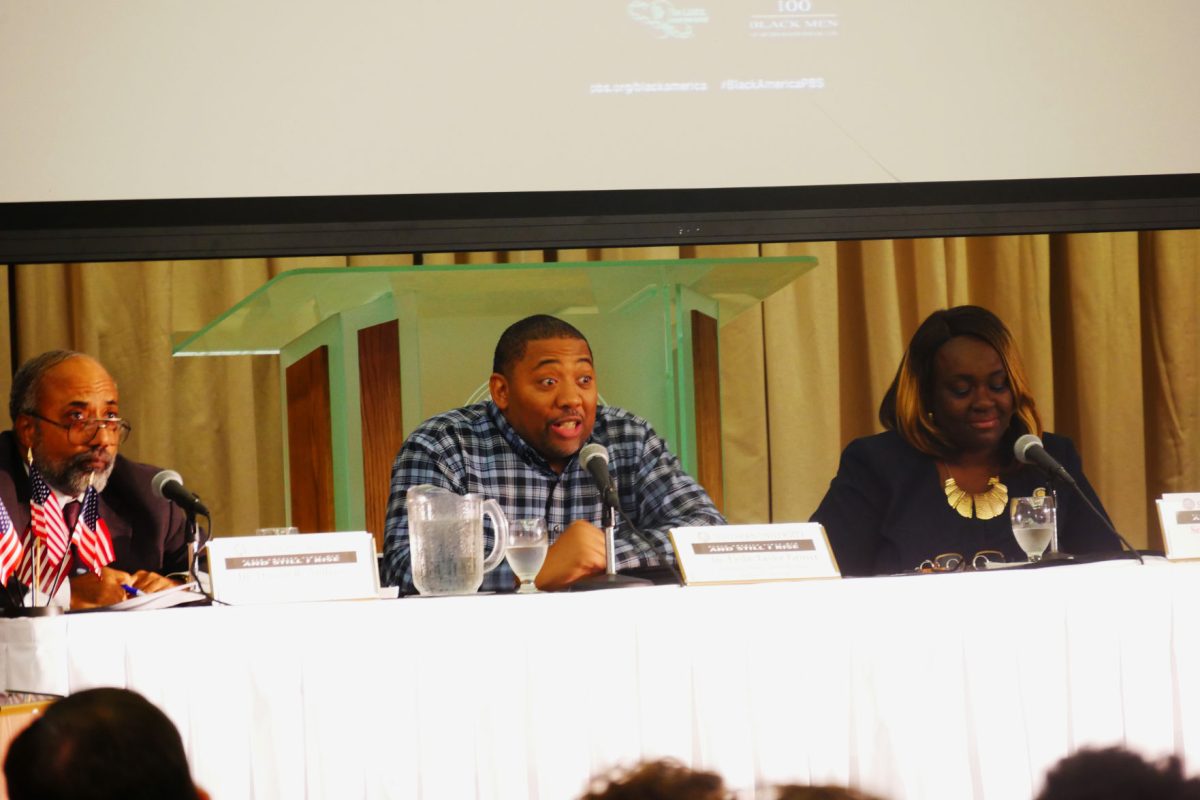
955, 562
83, 431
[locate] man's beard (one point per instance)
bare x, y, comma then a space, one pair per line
69, 477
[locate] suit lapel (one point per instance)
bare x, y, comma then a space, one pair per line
120, 530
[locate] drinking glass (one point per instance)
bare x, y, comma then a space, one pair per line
1033, 524
288, 530
527, 545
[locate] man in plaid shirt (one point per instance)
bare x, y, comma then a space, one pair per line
521, 450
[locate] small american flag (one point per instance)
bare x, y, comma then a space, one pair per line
92, 539
47, 519
45, 523
10, 546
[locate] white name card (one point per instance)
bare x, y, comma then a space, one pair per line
1179, 515
751, 553
299, 567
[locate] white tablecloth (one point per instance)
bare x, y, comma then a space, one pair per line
938, 686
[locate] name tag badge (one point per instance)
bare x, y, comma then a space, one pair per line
1179, 516
753, 553
295, 568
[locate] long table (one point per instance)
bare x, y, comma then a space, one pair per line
934, 686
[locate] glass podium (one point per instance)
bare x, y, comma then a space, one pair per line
367, 353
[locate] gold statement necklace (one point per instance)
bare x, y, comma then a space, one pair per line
991, 502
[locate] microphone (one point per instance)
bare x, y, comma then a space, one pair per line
594, 458
169, 486
1029, 450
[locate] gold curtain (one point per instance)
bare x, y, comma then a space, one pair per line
1106, 324
1103, 321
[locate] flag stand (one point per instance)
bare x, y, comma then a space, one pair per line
32, 611
49, 609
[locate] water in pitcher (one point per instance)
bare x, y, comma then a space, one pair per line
448, 557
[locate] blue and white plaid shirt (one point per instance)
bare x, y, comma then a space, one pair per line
475, 450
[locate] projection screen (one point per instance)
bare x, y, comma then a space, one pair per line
135, 127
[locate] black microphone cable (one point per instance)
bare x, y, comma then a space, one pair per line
1055, 471
201, 549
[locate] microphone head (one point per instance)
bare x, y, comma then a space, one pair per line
162, 479
1022, 445
591, 451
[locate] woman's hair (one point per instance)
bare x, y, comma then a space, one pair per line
908, 403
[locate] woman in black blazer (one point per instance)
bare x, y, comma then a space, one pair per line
939, 479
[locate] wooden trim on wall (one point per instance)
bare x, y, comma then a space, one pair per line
310, 442
706, 376
382, 429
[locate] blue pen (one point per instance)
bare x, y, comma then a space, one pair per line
130, 590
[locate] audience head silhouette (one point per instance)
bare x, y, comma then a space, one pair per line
1117, 774
661, 780
100, 743
819, 793
667, 779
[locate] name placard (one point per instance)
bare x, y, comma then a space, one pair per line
1179, 516
751, 553
299, 567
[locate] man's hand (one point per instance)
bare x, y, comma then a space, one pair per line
577, 553
151, 581
92, 591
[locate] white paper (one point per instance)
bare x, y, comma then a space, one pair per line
146, 601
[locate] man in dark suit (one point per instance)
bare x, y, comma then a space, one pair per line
67, 424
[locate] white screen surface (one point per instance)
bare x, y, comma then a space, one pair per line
152, 99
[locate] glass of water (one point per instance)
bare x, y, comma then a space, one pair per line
1033, 524
287, 530
527, 545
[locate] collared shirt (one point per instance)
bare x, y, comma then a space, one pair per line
475, 450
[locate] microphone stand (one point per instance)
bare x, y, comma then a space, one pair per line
1055, 554
609, 579
189, 537
196, 554
1059, 556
